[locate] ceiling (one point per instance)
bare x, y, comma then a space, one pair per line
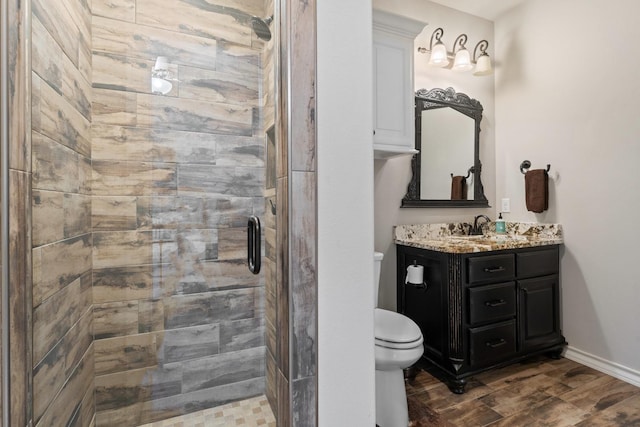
488, 9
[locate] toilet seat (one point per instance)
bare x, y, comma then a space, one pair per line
399, 346
395, 331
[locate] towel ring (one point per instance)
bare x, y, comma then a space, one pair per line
469, 172
526, 164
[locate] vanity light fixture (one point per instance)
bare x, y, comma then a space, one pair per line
462, 61
161, 77
438, 57
483, 62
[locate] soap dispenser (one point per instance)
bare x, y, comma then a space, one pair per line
500, 225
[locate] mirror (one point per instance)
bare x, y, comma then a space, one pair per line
446, 171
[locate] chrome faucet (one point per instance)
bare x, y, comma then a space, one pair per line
476, 229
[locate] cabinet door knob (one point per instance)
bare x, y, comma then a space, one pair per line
495, 303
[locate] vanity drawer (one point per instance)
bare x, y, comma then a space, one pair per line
492, 302
491, 268
538, 263
493, 343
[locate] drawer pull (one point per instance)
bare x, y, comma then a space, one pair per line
495, 303
494, 269
496, 343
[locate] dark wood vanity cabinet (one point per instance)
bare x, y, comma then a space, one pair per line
483, 310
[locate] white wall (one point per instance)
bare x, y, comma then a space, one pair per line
567, 94
346, 386
392, 176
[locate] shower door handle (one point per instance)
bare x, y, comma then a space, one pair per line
253, 244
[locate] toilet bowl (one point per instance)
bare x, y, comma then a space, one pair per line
398, 345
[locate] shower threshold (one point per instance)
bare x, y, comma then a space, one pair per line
250, 412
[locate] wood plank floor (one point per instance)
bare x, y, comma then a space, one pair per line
537, 392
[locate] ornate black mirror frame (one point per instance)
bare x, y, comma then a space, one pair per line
439, 98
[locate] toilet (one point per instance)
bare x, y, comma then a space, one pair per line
398, 345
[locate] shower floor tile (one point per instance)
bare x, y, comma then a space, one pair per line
250, 412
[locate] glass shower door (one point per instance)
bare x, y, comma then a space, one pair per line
178, 166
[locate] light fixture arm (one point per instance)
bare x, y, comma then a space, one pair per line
437, 34
483, 45
460, 43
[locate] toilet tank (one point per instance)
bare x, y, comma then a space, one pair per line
377, 262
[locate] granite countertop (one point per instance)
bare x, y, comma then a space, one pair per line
450, 237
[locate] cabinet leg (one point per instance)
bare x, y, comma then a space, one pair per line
457, 386
555, 354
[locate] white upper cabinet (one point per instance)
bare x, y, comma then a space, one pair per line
393, 92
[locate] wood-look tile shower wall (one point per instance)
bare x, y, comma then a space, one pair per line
63, 352
18, 267
178, 318
302, 219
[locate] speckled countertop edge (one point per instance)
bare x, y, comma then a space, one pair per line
449, 237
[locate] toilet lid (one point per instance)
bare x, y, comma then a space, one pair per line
392, 327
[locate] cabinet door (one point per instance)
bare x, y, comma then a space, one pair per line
538, 312
425, 306
393, 92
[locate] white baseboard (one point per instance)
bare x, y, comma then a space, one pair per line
616, 370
